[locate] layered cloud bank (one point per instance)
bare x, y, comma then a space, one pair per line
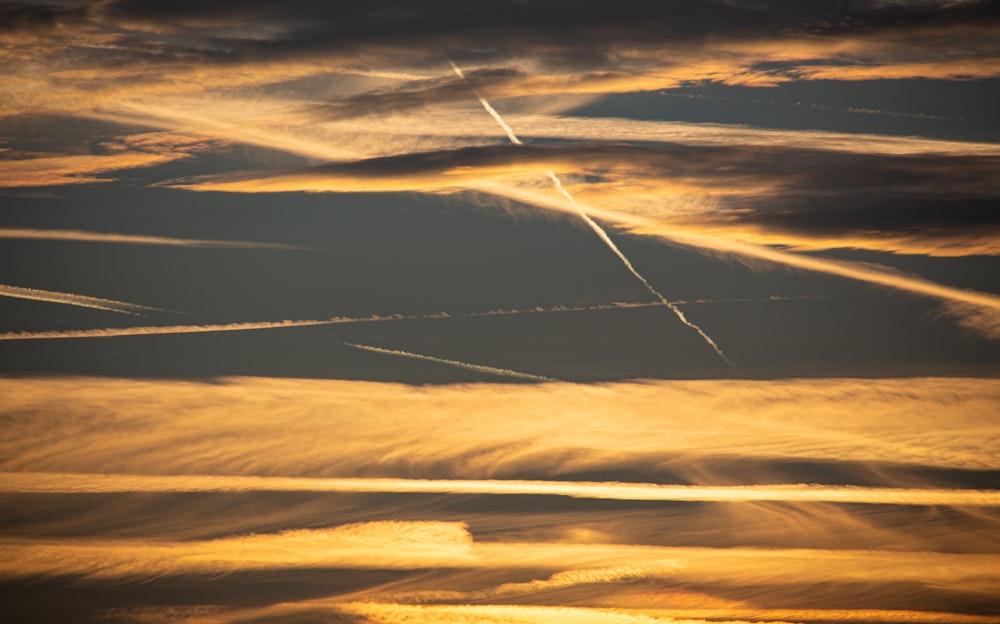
424, 488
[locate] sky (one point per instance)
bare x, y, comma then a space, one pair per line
506, 312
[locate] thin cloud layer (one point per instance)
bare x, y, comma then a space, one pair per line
579, 49
815, 198
238, 427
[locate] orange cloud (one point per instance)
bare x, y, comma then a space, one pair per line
61, 482
491, 431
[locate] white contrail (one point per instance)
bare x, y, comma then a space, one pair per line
603, 235
70, 483
506, 372
83, 301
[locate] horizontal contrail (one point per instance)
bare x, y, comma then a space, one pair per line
597, 228
505, 372
132, 239
83, 301
154, 330
78, 483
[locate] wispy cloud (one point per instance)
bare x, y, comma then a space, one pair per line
129, 152
408, 545
73, 58
872, 429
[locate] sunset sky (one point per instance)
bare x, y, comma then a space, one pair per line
513, 312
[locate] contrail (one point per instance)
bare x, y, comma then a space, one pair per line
82, 301
153, 330
603, 235
132, 239
71, 483
506, 372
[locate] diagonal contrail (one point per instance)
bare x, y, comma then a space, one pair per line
506, 372
601, 233
83, 301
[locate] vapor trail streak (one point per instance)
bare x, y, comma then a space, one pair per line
603, 235
506, 372
131, 239
154, 330
628, 265
75, 483
82, 301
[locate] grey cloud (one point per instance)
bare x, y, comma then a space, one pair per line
563, 33
809, 191
797, 170
21, 16
420, 93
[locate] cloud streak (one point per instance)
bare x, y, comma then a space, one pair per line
870, 431
394, 545
67, 483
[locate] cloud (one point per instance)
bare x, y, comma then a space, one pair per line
806, 198
72, 59
688, 607
97, 483
61, 170
247, 427
385, 545
394, 545
127, 152
289, 478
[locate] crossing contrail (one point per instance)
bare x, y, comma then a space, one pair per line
506, 372
83, 301
601, 233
